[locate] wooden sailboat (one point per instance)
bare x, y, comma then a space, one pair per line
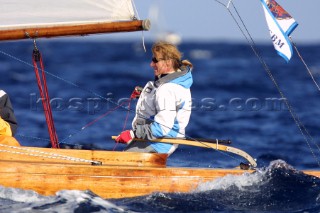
108, 174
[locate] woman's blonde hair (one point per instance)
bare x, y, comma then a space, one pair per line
170, 51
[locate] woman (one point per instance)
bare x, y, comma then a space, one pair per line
8, 122
164, 106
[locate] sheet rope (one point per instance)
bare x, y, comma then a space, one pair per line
43, 89
30, 152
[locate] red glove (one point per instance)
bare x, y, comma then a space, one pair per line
125, 137
136, 92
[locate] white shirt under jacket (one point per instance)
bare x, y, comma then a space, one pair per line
164, 109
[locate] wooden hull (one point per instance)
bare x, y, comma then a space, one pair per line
105, 181
122, 174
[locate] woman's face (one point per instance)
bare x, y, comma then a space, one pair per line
161, 66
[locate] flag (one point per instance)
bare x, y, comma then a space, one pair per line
281, 25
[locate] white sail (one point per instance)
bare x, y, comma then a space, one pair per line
22, 19
30, 13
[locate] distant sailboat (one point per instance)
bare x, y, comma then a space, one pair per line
159, 30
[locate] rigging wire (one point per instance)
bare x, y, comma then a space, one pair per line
142, 32
303, 130
125, 121
92, 122
305, 64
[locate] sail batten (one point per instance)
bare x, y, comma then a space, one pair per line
46, 18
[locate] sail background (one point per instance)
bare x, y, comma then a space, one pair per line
29, 13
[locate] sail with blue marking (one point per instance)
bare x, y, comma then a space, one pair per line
281, 25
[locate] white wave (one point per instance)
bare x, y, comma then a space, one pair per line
21, 201
243, 181
20, 195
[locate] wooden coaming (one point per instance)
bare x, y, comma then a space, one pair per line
11, 151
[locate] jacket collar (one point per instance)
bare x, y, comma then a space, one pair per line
169, 77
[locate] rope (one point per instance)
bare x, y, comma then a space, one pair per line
307, 68
142, 32
303, 130
43, 89
94, 121
46, 154
125, 121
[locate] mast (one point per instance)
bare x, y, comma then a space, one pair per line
81, 29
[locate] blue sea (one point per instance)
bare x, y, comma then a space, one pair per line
235, 97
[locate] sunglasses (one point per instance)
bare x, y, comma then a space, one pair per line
155, 60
